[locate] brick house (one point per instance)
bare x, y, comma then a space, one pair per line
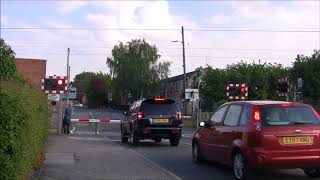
173, 88
32, 70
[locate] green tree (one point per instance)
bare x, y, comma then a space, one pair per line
134, 68
98, 85
308, 68
7, 62
260, 78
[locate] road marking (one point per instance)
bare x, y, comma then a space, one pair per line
148, 160
156, 165
189, 144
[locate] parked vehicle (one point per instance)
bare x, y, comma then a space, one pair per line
261, 134
155, 119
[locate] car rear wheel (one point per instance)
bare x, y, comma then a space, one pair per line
134, 139
174, 141
123, 138
239, 166
196, 154
312, 172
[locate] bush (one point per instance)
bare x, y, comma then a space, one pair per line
7, 62
23, 128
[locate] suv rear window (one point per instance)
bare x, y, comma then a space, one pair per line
291, 115
163, 107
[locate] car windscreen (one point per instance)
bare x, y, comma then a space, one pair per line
152, 107
288, 115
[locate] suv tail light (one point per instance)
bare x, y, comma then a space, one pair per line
179, 116
139, 115
256, 118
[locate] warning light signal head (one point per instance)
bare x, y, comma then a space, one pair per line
60, 82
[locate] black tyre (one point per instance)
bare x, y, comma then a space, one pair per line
240, 169
174, 141
196, 153
312, 172
157, 140
134, 139
123, 138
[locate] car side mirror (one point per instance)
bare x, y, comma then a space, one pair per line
204, 124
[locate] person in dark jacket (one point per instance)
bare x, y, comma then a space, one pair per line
67, 119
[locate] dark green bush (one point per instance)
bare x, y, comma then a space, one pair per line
23, 128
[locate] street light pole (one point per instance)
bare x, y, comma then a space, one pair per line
184, 71
68, 74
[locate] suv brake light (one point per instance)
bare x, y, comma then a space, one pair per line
159, 99
139, 116
179, 116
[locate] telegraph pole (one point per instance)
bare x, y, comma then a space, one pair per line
184, 71
68, 73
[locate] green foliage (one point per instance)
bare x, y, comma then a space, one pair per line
7, 62
97, 93
98, 85
134, 68
23, 128
308, 68
260, 78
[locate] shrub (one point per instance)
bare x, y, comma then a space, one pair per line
23, 128
7, 62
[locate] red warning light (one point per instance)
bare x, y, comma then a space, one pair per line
60, 82
243, 90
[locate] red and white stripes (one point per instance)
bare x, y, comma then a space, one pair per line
101, 120
61, 87
243, 91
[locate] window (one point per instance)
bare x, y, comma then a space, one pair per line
245, 114
282, 116
218, 115
151, 107
233, 115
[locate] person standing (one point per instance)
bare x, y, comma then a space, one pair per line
67, 119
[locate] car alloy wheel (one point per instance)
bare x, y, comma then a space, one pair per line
196, 157
239, 166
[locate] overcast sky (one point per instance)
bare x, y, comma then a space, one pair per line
90, 49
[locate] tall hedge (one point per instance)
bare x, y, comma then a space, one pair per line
7, 62
23, 128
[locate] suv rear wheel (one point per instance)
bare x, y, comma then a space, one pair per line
123, 138
312, 172
174, 141
134, 139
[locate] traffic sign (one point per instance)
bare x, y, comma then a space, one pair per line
54, 97
192, 94
55, 85
283, 86
237, 91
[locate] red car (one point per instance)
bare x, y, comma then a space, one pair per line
261, 135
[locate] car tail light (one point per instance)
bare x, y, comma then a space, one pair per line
256, 118
159, 99
179, 116
139, 116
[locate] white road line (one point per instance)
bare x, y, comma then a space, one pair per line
189, 144
156, 165
148, 160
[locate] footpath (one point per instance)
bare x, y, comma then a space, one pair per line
86, 156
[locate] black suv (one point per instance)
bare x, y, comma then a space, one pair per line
152, 119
